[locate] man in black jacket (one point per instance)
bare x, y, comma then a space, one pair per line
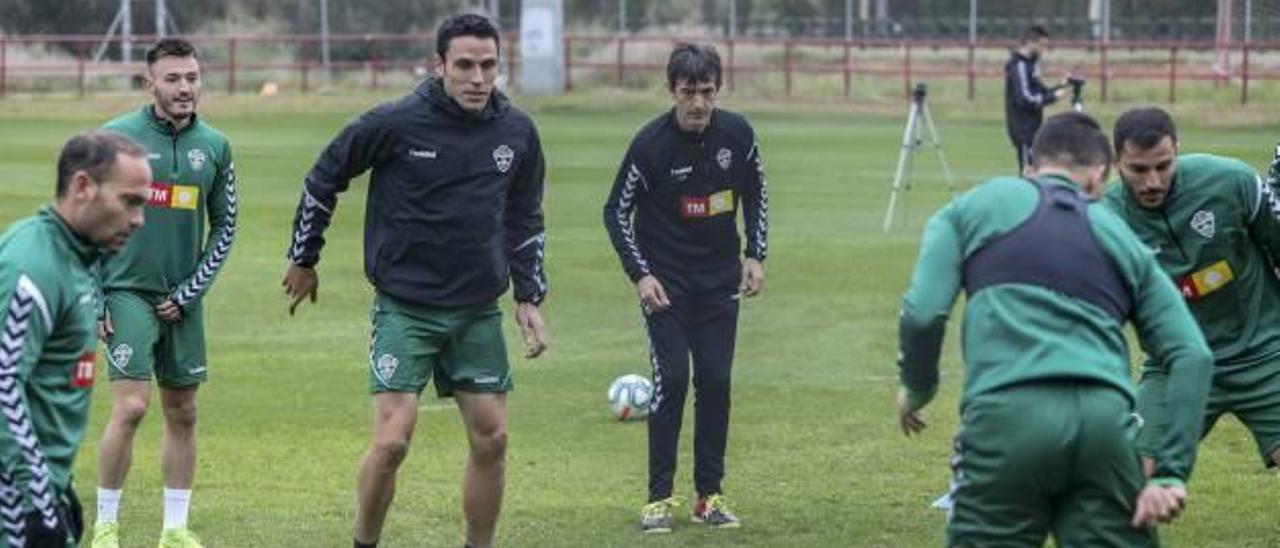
1025, 96
454, 211
672, 219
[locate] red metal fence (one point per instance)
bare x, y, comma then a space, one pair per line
772, 67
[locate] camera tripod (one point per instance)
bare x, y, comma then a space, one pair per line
911, 141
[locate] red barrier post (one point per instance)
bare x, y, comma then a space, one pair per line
1244, 75
729, 67
568, 63
970, 72
231, 66
786, 63
4, 64
512, 50
1173, 75
1102, 54
848, 71
305, 66
622, 44
373, 62
906, 69
80, 69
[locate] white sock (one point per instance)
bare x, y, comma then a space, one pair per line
176, 504
108, 505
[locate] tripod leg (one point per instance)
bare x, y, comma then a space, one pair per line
910, 136
937, 145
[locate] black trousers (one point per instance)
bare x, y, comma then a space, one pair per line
702, 324
1022, 146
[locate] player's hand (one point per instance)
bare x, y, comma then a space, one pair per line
911, 421
169, 311
533, 328
1159, 504
752, 277
1061, 93
653, 297
105, 329
299, 283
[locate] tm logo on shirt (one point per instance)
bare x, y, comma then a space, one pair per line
167, 196
698, 207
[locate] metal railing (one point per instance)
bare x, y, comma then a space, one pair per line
769, 66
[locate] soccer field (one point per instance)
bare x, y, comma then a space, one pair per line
815, 455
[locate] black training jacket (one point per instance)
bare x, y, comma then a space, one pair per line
455, 199
1025, 96
675, 200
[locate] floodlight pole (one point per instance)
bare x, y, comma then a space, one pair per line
324, 33
160, 19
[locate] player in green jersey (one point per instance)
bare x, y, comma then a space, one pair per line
1046, 442
1211, 221
48, 331
154, 288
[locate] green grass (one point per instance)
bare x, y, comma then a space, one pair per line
815, 458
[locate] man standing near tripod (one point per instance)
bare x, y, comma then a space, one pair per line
1025, 96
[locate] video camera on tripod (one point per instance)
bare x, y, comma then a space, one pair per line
1077, 92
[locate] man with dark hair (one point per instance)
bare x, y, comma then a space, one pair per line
454, 212
1046, 440
1025, 96
154, 320
48, 340
1212, 223
671, 216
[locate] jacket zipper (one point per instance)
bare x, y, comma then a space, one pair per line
1174, 236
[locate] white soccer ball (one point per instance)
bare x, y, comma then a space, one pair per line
629, 397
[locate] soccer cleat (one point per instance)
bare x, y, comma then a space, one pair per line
657, 516
106, 535
179, 537
714, 511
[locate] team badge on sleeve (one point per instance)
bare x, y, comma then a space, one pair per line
503, 156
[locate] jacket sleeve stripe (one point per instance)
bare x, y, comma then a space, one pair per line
216, 254
625, 220
1024, 83
14, 406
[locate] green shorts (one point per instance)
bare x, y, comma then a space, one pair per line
463, 348
142, 344
1047, 458
1252, 394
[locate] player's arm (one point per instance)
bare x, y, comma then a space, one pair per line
1182, 363
526, 240
357, 147
619, 214
1029, 92
28, 502
222, 207
1263, 210
926, 306
755, 217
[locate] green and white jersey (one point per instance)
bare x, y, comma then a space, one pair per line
194, 182
48, 338
1019, 332
1217, 237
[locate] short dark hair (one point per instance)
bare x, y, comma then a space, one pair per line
1145, 127
693, 63
170, 47
94, 152
467, 24
1072, 140
1033, 33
